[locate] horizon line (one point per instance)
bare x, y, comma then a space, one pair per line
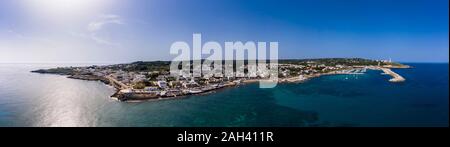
125, 62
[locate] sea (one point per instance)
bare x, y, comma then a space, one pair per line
361, 100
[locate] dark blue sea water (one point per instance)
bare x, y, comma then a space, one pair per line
29, 99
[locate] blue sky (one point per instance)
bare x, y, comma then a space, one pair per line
125, 31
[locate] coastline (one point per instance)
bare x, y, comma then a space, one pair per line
128, 89
120, 95
96, 94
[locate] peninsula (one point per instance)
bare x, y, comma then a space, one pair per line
139, 81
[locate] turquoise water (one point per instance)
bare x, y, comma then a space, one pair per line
29, 99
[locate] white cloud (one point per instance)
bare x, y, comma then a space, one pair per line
104, 20
96, 26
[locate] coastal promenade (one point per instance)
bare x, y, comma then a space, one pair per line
117, 84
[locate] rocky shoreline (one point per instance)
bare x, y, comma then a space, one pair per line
126, 92
145, 96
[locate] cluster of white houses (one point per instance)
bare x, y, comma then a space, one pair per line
161, 83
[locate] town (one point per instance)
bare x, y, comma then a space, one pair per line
152, 80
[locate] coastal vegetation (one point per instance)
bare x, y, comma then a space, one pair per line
58, 70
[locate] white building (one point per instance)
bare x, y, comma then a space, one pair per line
162, 84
